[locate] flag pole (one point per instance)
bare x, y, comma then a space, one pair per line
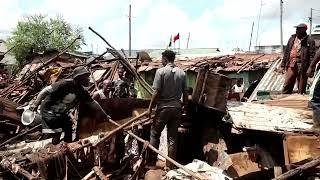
179, 45
174, 44
171, 42
188, 40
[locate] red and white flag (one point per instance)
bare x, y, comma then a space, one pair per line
176, 37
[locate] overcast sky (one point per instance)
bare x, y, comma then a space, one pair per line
220, 23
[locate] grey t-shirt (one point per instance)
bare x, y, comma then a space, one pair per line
171, 83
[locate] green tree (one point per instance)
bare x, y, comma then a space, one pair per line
37, 33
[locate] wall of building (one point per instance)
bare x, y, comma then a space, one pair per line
248, 76
268, 49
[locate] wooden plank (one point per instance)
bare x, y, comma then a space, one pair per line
301, 147
277, 171
312, 164
285, 152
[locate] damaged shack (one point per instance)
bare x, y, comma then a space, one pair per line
217, 139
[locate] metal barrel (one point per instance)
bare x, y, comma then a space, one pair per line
211, 89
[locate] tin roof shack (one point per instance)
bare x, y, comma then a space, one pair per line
286, 119
60, 68
249, 67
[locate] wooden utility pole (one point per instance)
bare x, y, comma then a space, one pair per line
281, 31
310, 19
258, 23
251, 36
129, 30
188, 40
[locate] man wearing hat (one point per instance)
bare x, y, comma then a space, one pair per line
57, 99
299, 52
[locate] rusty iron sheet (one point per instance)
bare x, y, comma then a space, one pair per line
8, 111
230, 63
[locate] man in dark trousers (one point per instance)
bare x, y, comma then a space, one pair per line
56, 101
299, 52
169, 85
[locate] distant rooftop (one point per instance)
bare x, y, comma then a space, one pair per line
8, 58
156, 53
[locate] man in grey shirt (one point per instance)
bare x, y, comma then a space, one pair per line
169, 85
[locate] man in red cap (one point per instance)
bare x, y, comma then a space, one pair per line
299, 52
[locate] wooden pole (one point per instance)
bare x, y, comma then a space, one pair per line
111, 133
16, 169
246, 64
94, 81
188, 40
251, 36
129, 30
281, 31
99, 173
19, 135
89, 175
257, 37
310, 30
312, 164
101, 55
125, 63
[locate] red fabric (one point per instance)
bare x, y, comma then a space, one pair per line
176, 37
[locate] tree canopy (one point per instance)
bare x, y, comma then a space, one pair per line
37, 33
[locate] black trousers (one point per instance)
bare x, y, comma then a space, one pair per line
170, 117
54, 124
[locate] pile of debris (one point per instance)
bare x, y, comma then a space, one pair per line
236, 144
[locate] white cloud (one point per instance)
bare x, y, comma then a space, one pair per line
225, 25
9, 13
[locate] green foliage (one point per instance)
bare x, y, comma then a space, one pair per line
37, 33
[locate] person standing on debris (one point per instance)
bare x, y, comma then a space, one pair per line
123, 87
315, 91
57, 99
296, 59
105, 92
169, 85
238, 87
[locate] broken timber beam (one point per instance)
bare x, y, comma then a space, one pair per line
89, 175
125, 63
99, 173
25, 80
249, 62
193, 174
312, 164
120, 127
16, 169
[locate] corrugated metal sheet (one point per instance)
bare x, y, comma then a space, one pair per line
268, 118
271, 81
228, 63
